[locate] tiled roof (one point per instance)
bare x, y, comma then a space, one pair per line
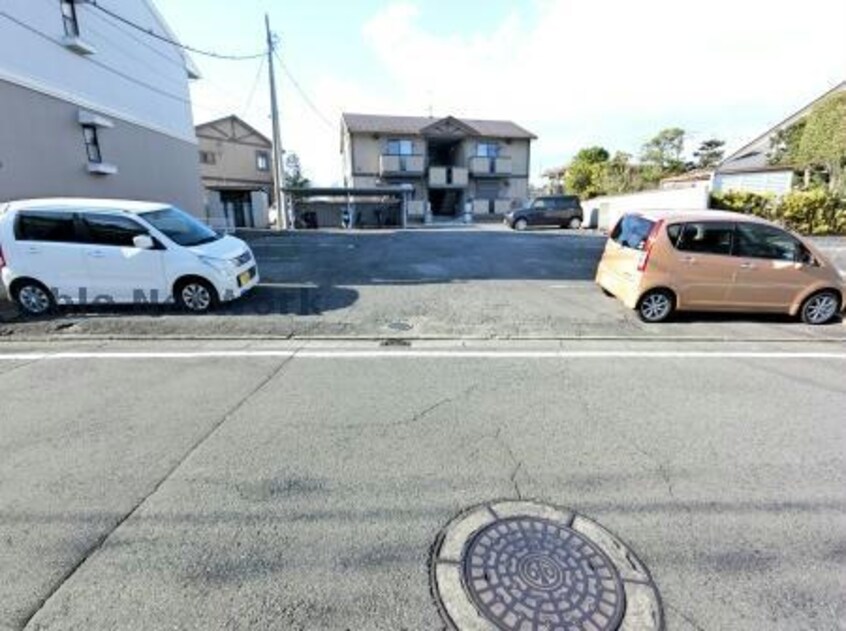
412, 125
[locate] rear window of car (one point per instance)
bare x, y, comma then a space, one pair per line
51, 226
632, 231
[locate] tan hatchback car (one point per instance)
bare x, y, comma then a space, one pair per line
658, 262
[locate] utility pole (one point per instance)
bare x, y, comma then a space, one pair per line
278, 152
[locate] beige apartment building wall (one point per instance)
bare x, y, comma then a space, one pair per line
42, 154
366, 151
517, 150
235, 163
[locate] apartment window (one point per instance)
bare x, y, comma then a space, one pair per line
400, 148
92, 143
208, 157
69, 18
487, 150
262, 161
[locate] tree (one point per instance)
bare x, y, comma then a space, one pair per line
664, 153
823, 141
585, 173
784, 145
621, 176
294, 173
709, 154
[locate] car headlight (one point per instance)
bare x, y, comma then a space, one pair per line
221, 265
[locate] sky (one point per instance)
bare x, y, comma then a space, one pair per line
575, 72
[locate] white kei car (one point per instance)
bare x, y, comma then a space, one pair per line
94, 251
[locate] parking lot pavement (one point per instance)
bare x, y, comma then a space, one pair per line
445, 283
297, 485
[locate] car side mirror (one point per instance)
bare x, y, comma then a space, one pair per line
143, 242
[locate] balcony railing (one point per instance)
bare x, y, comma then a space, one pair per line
401, 165
448, 177
490, 167
491, 206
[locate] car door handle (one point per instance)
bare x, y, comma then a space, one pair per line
747, 266
690, 260
96, 254
33, 250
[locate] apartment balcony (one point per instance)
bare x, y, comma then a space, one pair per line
491, 206
398, 166
490, 167
448, 177
416, 208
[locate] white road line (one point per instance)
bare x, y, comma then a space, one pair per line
422, 354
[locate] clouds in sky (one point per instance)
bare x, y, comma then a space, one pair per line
579, 72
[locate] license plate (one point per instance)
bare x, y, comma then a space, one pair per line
244, 278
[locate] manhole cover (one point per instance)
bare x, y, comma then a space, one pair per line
400, 326
523, 566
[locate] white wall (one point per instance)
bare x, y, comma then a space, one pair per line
762, 182
35, 57
604, 212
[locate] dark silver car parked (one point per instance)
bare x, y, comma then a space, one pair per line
561, 211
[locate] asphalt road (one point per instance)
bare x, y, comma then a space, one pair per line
303, 489
163, 483
481, 282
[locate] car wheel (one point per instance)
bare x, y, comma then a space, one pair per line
656, 306
521, 224
820, 308
575, 223
33, 298
195, 295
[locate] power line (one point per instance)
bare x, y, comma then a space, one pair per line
303, 94
152, 33
253, 90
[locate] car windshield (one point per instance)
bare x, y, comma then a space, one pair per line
180, 227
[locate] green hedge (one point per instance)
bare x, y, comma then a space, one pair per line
816, 212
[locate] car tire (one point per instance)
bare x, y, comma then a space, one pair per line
820, 308
195, 295
33, 298
657, 305
575, 224
521, 225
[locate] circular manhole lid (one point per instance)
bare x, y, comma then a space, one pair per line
523, 566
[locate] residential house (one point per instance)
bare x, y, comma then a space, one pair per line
749, 168
451, 164
93, 107
237, 171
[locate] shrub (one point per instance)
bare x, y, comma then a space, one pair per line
809, 212
813, 212
745, 202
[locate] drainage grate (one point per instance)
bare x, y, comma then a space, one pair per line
395, 342
525, 566
528, 573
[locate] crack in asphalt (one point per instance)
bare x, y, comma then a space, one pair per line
103, 539
686, 617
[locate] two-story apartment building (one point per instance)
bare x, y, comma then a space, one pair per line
91, 106
237, 171
452, 164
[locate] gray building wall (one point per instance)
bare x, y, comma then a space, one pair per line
42, 154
